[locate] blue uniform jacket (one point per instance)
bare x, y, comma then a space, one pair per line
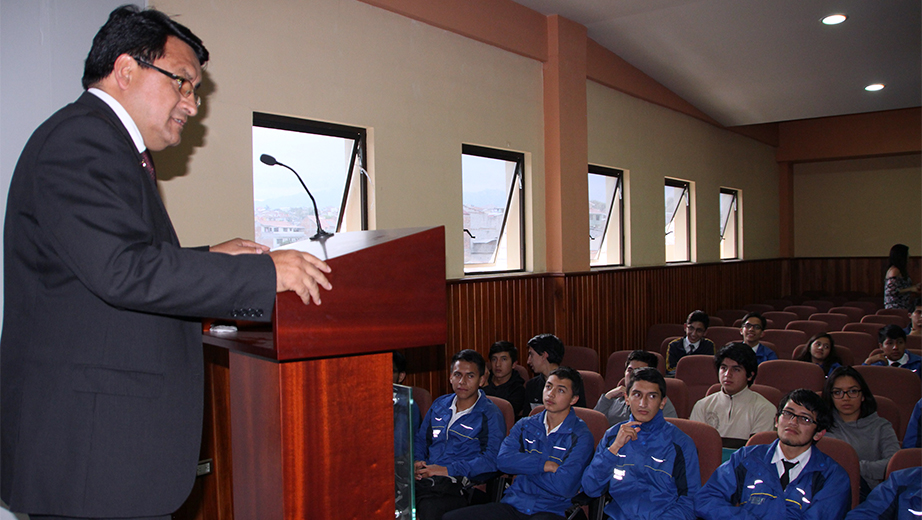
653, 477
912, 439
524, 453
764, 353
748, 486
898, 497
469, 447
914, 364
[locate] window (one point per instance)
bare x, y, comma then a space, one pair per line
492, 182
678, 221
729, 224
329, 158
606, 216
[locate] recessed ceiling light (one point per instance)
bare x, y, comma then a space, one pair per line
875, 87
834, 19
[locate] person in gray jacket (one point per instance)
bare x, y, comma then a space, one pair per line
613, 404
857, 423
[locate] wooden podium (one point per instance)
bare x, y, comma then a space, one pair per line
311, 413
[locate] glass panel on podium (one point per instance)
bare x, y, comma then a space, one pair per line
406, 420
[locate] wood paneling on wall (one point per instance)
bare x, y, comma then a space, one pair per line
840, 275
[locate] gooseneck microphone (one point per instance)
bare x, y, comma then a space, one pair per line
270, 161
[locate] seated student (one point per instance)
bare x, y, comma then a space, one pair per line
504, 380
400, 374
912, 439
898, 497
694, 342
614, 403
735, 411
892, 340
856, 422
753, 327
457, 441
821, 350
545, 352
915, 320
788, 478
547, 453
647, 465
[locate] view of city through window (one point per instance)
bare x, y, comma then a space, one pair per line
605, 216
491, 197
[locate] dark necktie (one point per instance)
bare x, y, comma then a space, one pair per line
895, 364
148, 164
786, 478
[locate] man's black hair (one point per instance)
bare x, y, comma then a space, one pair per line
650, 375
548, 343
699, 316
471, 356
137, 33
890, 332
644, 357
809, 400
400, 362
576, 380
758, 317
868, 406
743, 355
504, 346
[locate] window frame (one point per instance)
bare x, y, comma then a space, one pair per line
619, 194
686, 185
516, 187
736, 221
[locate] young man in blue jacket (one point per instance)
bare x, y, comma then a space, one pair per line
892, 340
458, 440
647, 465
547, 452
788, 478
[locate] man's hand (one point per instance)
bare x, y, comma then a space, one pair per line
239, 246
424, 470
626, 433
300, 272
875, 358
550, 466
615, 392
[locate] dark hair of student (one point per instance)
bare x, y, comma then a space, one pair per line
400, 362
758, 317
809, 400
548, 343
743, 355
899, 258
650, 375
470, 356
699, 316
137, 33
504, 346
868, 406
576, 380
644, 357
830, 360
890, 332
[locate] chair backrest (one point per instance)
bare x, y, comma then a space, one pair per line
657, 332
870, 329
834, 320
839, 450
664, 348
883, 320
846, 358
522, 372
723, 335
785, 341
803, 312
505, 407
707, 443
593, 386
780, 318
779, 304
677, 393
787, 375
866, 306
810, 328
761, 308
900, 313
423, 399
900, 385
580, 358
904, 459
614, 368
715, 321
698, 373
913, 343
772, 394
821, 305
596, 421
887, 409
854, 313
860, 343
729, 315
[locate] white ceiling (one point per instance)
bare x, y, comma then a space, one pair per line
757, 61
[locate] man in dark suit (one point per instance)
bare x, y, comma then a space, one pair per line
102, 377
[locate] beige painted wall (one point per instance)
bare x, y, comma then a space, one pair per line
838, 211
652, 143
421, 91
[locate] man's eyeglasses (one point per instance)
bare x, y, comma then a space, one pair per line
838, 393
754, 326
803, 420
186, 88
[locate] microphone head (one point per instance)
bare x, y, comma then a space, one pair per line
268, 159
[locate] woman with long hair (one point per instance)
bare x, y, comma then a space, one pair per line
899, 291
821, 350
857, 423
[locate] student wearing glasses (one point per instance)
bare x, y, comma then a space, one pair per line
785, 479
752, 329
856, 422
